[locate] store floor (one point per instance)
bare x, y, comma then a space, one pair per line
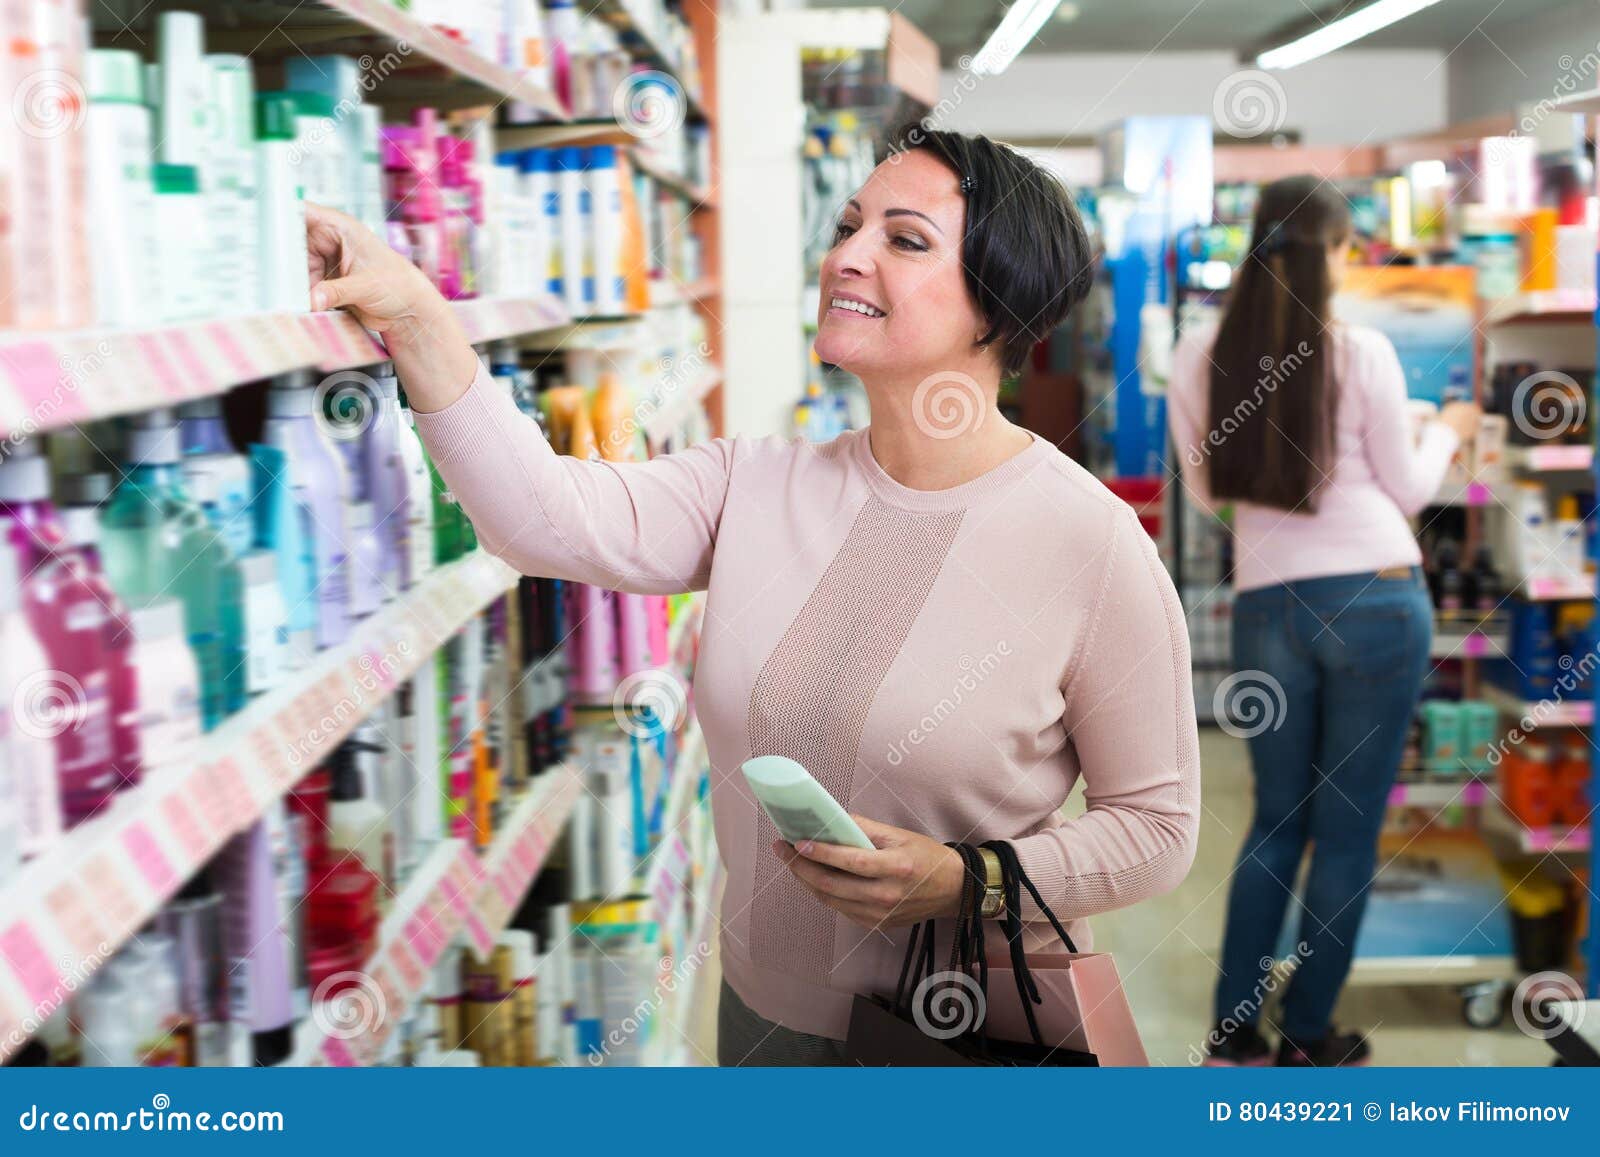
1167, 950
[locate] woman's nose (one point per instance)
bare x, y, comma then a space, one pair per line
850, 258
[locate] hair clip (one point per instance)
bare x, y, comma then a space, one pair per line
968, 185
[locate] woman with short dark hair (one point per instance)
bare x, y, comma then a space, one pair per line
943, 618
1300, 421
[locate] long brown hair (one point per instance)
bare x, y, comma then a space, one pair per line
1271, 380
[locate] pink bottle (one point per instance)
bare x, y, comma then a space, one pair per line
82, 496
658, 628
633, 634
71, 701
410, 167
462, 200
593, 643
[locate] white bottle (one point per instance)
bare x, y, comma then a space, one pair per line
169, 707
419, 497
266, 623
605, 204
577, 261
121, 193
231, 181
185, 95
356, 821
31, 751
285, 286
106, 1024
374, 209
184, 234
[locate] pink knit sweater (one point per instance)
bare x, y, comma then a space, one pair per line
950, 662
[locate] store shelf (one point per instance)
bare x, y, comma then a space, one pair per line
1474, 493
1540, 590
676, 405
644, 47
1582, 103
1508, 834
553, 134
1551, 459
409, 62
1543, 306
454, 893
1470, 645
53, 378
494, 318
1440, 793
666, 292
69, 910
592, 333
1545, 713
697, 195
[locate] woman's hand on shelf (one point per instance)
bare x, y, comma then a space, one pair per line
353, 269
1463, 418
906, 879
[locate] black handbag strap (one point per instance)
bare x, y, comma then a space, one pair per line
967, 951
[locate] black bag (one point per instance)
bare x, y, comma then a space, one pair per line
937, 1019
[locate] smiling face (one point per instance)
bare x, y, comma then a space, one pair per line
894, 297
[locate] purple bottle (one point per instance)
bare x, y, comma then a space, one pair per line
71, 701
81, 498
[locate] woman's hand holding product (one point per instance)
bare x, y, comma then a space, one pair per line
352, 268
905, 879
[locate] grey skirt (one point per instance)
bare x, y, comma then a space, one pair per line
747, 1039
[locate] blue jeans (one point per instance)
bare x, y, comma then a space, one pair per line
1349, 653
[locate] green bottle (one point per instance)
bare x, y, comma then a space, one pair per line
156, 542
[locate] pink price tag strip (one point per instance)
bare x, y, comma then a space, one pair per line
1475, 646
101, 879
481, 937
241, 807
159, 363
422, 940
411, 973
151, 861
35, 369
197, 375
239, 363
76, 919
20, 948
183, 825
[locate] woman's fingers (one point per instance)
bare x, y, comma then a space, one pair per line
839, 885
856, 861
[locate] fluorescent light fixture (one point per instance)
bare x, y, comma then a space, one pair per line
1022, 21
1345, 30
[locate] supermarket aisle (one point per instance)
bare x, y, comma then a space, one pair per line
1167, 948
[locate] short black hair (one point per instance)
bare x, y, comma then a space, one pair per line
1025, 251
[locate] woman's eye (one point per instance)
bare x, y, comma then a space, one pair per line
914, 244
841, 231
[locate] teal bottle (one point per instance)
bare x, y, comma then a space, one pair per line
156, 542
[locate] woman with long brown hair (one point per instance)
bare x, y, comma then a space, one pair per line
1300, 422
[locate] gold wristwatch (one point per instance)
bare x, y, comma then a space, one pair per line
994, 898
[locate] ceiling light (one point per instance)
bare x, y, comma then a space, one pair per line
1340, 32
1022, 20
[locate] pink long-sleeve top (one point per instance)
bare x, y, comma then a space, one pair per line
950, 662
1378, 480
